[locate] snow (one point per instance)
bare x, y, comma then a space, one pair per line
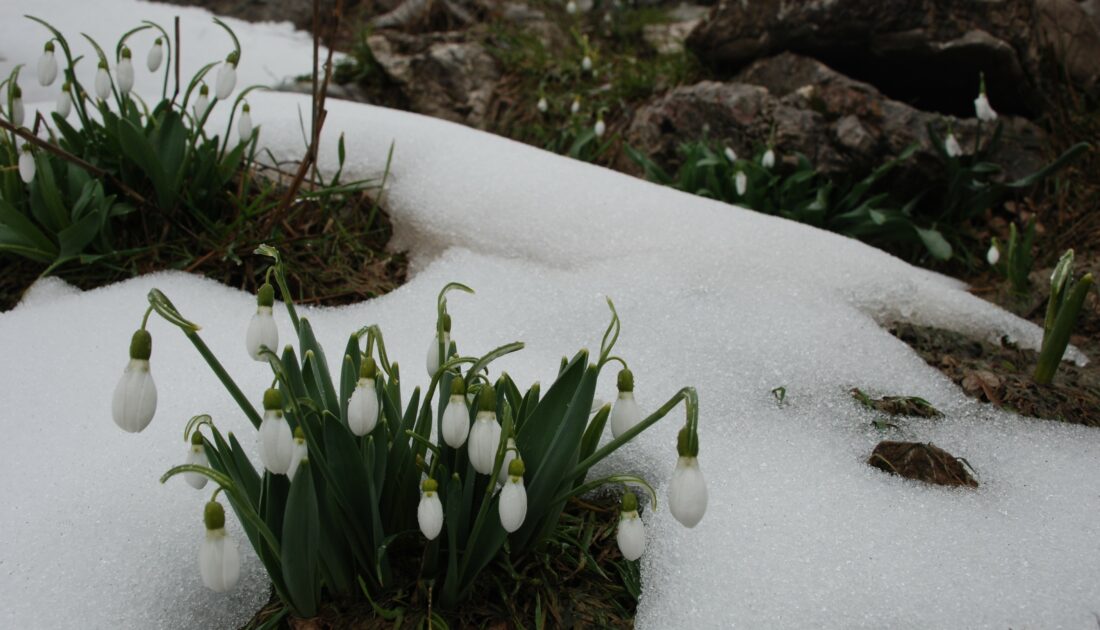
799, 532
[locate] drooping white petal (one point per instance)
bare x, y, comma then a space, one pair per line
135, 399
513, 504
363, 408
102, 84
124, 75
600, 128
276, 442
741, 181
262, 331
983, 109
484, 440
768, 160
47, 68
576, 106
219, 563
156, 55
543, 106
687, 492
433, 353
202, 103
64, 104
26, 166
731, 155
510, 453
456, 421
631, 536
993, 255
17, 111
429, 515
196, 457
625, 414
571, 7
227, 80
951, 146
586, 63
301, 451
244, 126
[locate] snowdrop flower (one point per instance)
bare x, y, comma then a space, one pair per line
429, 514
687, 492
276, 440
47, 66
586, 63
244, 125
262, 330
363, 405
768, 160
102, 82
17, 112
510, 453
433, 350
124, 72
300, 453
600, 128
64, 101
196, 456
951, 145
156, 55
731, 155
513, 498
456, 417
993, 255
576, 106
543, 106
26, 164
631, 532
741, 183
485, 434
625, 414
202, 103
219, 562
135, 399
571, 7
982, 108
227, 77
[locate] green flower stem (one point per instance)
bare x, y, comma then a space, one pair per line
227, 381
280, 279
145, 319
610, 336
1054, 345
167, 43
194, 423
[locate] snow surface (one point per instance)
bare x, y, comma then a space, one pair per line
800, 531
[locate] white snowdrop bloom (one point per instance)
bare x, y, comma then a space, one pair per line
363, 406
983, 109
993, 255
576, 106
17, 112
102, 82
262, 330
456, 417
485, 434
600, 128
571, 7
124, 72
687, 493
300, 453
433, 349
511, 453
768, 160
26, 164
64, 101
586, 63
512, 505
135, 399
202, 103
276, 440
631, 531
227, 77
244, 125
626, 413
196, 456
543, 106
731, 155
951, 146
741, 183
429, 514
607, 18
156, 55
47, 66
219, 562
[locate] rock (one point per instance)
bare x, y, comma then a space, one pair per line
667, 38
444, 75
927, 52
843, 126
923, 462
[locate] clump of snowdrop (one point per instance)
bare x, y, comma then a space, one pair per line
982, 108
631, 532
102, 81
275, 437
262, 330
626, 413
26, 164
244, 125
512, 507
227, 77
47, 66
135, 399
155, 56
219, 562
124, 72
363, 406
429, 514
196, 456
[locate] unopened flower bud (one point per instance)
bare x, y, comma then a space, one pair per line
262, 331
429, 514
196, 456
456, 417
433, 361
512, 505
363, 406
64, 101
135, 398
227, 77
26, 164
244, 125
219, 562
485, 434
631, 532
124, 72
102, 82
47, 66
156, 55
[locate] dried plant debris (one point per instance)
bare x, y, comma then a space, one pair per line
923, 462
898, 405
